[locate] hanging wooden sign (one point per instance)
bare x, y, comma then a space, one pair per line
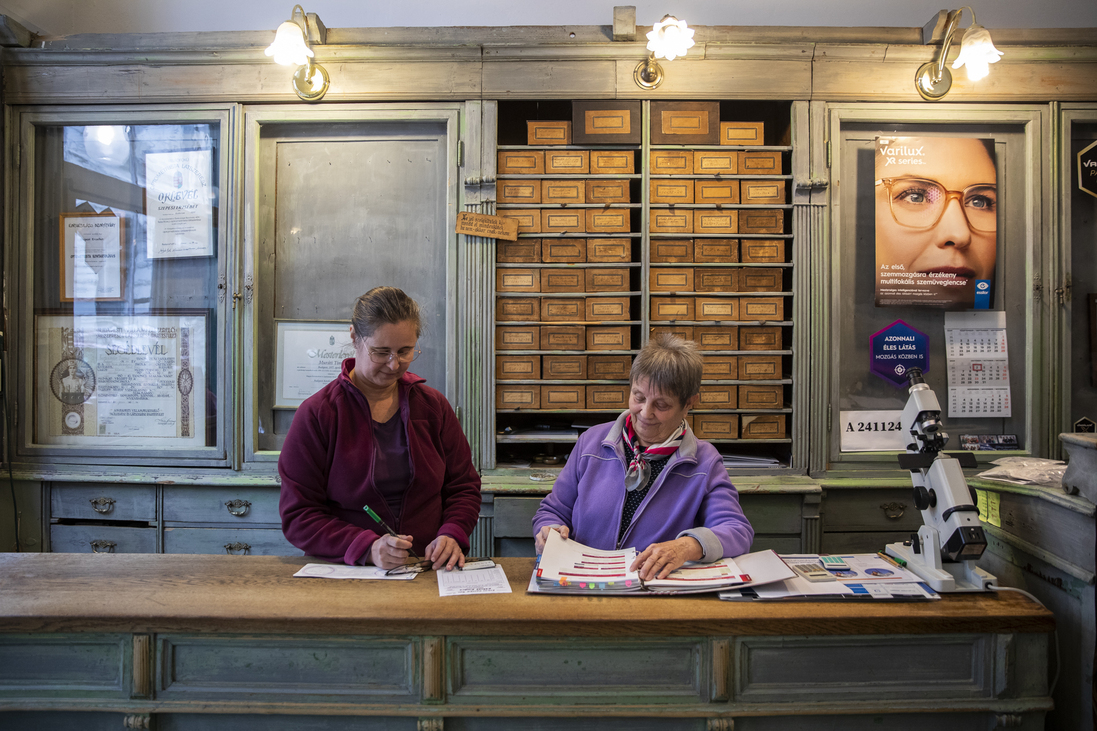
491, 227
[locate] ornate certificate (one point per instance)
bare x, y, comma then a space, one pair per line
121, 380
310, 355
179, 204
91, 256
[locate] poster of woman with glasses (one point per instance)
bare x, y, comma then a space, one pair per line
936, 221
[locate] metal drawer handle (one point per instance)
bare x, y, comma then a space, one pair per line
894, 511
106, 546
239, 508
237, 548
102, 504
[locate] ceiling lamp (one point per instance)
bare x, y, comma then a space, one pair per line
668, 39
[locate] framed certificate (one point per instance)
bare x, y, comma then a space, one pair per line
179, 204
309, 357
92, 257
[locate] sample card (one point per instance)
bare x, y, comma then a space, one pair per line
978, 364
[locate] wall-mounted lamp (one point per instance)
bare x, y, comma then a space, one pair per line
291, 48
977, 52
669, 38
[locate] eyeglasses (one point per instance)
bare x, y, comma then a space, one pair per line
920, 203
404, 355
417, 566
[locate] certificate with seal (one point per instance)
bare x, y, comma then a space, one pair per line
121, 380
309, 357
91, 256
179, 204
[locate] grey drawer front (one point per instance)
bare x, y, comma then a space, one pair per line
117, 502
869, 510
79, 539
65, 666
773, 513
514, 516
245, 541
218, 505
274, 722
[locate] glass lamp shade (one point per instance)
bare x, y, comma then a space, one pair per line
670, 38
289, 47
977, 52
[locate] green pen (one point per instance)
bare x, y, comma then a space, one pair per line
387, 527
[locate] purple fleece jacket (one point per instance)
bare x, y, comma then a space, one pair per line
692, 496
326, 467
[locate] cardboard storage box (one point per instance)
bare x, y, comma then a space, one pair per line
529, 219
604, 279
720, 367
608, 367
716, 279
607, 220
762, 251
761, 221
761, 338
604, 309
761, 309
517, 280
671, 221
717, 337
683, 331
715, 162
567, 162
671, 162
717, 308
518, 337
562, 280
760, 368
562, 309
517, 397
716, 192
548, 132
760, 192
609, 250
671, 190
517, 367
564, 220
672, 308
606, 122
763, 426
612, 162
522, 251
671, 279
616, 337
515, 309
564, 367
761, 279
521, 162
685, 123
563, 251
715, 426
716, 251
742, 133
707, 221
607, 191
762, 397
666, 251
717, 397
760, 163
608, 397
563, 337
563, 396
526, 192
563, 192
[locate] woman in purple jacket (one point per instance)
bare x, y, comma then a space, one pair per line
645, 479
378, 436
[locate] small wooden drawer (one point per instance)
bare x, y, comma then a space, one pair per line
672, 162
742, 133
685, 123
758, 279
562, 280
716, 251
529, 219
718, 397
521, 162
761, 221
563, 337
757, 192
720, 367
712, 279
763, 251
717, 308
103, 502
563, 192
716, 426
608, 220
603, 398
567, 162
606, 122
517, 397
517, 280
517, 367
512, 309
715, 162
229, 541
93, 538
563, 396
522, 251
564, 367
518, 337
604, 309
562, 309
671, 221
609, 338
671, 308
671, 190
759, 367
763, 426
564, 220
607, 191
761, 309
718, 337
677, 279
761, 397
607, 280
717, 192
761, 338
760, 163
706, 221
609, 250
682, 331
518, 191
612, 162
548, 132
563, 251
671, 251
608, 367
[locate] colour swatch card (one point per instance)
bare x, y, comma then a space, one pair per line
978, 364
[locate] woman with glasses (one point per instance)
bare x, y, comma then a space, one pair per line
645, 480
378, 436
936, 220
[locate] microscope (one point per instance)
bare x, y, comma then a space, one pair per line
943, 552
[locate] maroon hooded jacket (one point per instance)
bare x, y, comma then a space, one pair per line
326, 467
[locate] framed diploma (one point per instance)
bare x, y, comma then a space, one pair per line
179, 204
121, 380
92, 257
309, 357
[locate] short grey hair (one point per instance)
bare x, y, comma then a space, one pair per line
384, 306
670, 364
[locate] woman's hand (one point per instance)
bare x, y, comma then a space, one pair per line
444, 551
388, 552
659, 559
542, 536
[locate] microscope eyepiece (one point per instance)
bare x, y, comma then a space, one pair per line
914, 376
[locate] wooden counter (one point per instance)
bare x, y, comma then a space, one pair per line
176, 638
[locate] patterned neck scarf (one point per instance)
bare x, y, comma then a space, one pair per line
638, 469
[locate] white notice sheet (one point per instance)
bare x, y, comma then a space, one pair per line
480, 581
